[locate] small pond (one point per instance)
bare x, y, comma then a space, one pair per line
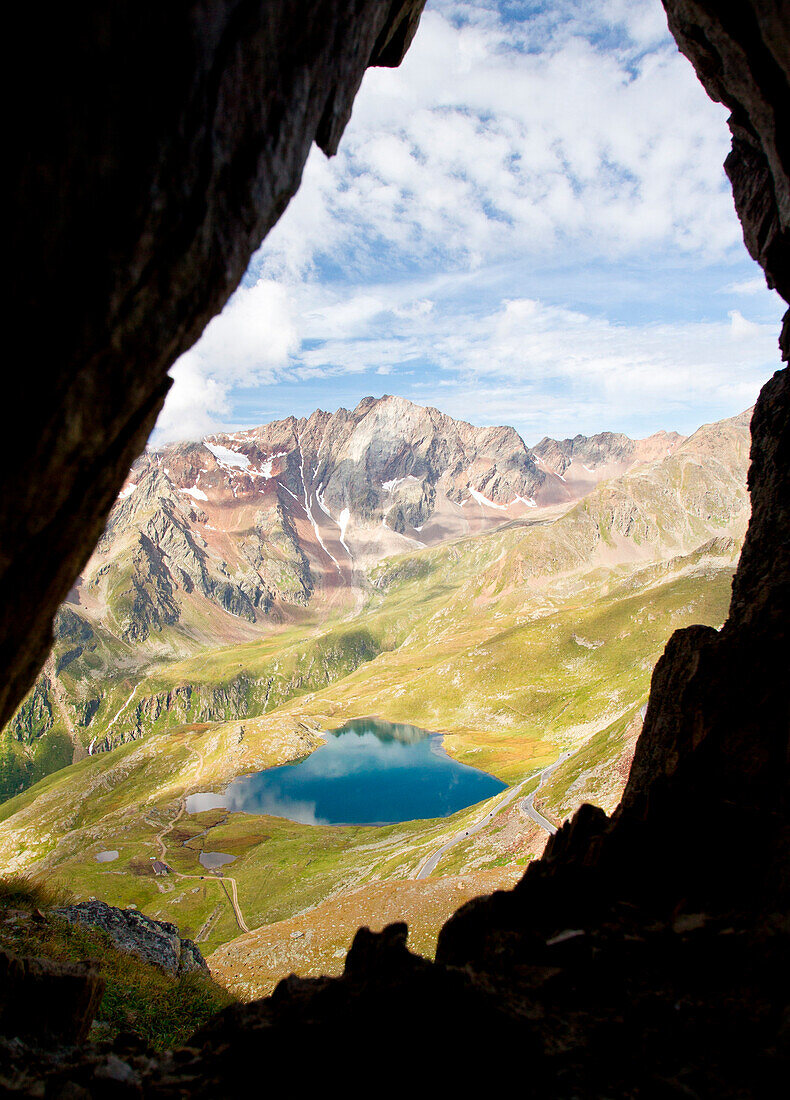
212, 860
368, 773
106, 857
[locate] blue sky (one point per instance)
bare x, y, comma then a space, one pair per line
527, 223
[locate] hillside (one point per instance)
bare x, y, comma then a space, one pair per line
258, 536
565, 611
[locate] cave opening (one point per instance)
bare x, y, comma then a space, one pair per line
674, 871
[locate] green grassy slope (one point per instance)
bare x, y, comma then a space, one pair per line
508, 689
138, 997
534, 639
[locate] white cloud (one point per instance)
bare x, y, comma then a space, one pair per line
746, 286
573, 137
494, 137
243, 346
195, 405
547, 368
558, 371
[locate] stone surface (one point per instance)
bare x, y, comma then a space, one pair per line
153, 148
740, 52
54, 1002
154, 941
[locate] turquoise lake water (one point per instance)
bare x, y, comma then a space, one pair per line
368, 773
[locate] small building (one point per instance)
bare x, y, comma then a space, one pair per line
160, 868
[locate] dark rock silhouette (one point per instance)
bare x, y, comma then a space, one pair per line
48, 1001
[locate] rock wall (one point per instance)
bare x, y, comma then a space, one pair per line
153, 147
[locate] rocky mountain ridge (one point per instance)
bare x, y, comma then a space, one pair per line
610, 449
274, 516
154, 941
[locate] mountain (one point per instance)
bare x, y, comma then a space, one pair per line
261, 522
611, 452
292, 525
527, 641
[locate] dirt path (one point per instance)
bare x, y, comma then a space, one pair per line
527, 805
233, 897
428, 865
205, 929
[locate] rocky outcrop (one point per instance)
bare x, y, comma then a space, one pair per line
589, 1013
34, 717
136, 211
154, 941
328, 659
153, 554
740, 53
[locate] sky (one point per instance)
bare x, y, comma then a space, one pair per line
527, 223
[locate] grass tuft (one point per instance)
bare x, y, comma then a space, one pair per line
27, 892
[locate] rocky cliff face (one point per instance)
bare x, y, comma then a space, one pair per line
357, 485
613, 451
275, 515
266, 520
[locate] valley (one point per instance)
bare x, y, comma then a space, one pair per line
253, 593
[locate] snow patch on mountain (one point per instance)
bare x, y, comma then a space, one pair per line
484, 500
226, 457
194, 492
345, 516
391, 486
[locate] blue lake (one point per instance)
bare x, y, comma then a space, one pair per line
368, 773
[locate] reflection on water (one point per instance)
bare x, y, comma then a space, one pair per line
106, 857
212, 860
204, 800
368, 773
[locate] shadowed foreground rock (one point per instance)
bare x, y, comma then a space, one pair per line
49, 1001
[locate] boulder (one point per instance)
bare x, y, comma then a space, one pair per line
153, 941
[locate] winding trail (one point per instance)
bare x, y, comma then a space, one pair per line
527, 805
428, 866
233, 897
